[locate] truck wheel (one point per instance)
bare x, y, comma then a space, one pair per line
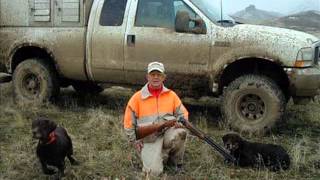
87, 87
35, 81
252, 104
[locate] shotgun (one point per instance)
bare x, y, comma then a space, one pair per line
201, 135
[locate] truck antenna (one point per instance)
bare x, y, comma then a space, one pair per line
221, 16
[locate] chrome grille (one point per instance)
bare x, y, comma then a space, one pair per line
318, 49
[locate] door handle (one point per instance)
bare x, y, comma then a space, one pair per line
131, 40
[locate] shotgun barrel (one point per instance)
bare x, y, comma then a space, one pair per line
207, 139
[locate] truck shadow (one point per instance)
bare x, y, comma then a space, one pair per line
297, 120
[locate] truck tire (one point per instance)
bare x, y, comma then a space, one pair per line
252, 104
87, 88
35, 81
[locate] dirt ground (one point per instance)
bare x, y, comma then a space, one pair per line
95, 125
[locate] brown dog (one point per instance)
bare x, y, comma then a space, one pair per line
257, 155
53, 146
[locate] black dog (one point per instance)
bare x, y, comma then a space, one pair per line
53, 146
250, 154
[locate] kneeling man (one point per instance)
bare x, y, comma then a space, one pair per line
150, 123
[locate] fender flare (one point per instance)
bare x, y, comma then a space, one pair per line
9, 64
216, 77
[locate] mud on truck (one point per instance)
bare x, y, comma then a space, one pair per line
48, 44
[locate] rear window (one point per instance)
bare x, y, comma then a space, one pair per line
113, 12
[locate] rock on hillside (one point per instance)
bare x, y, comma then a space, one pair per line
253, 15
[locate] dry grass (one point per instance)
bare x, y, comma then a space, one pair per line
95, 125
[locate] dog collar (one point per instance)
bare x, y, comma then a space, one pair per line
52, 137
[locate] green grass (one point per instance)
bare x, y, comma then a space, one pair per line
95, 126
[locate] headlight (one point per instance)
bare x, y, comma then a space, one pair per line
317, 53
304, 58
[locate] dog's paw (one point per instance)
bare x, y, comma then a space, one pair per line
75, 163
58, 177
228, 162
49, 171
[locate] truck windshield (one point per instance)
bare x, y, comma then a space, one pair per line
212, 10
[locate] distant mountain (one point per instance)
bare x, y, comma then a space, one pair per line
307, 5
308, 21
253, 15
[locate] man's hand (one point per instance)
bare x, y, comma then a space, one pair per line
172, 123
178, 125
167, 124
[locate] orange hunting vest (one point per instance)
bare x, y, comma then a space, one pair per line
143, 108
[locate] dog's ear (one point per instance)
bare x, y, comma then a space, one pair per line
35, 123
46, 124
50, 125
238, 140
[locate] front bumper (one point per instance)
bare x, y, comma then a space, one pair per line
304, 82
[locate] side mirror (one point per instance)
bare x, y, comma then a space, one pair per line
182, 21
199, 26
182, 24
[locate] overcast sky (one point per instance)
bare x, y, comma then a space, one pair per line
281, 6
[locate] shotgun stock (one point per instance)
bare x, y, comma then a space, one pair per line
207, 139
144, 131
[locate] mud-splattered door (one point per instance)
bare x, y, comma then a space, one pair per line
151, 36
106, 41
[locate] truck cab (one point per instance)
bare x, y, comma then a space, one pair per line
146, 31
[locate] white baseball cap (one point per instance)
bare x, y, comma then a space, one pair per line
155, 66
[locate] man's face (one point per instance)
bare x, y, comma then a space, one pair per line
156, 78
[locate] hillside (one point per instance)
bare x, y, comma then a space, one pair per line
306, 5
253, 15
308, 21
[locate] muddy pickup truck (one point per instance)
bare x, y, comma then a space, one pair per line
48, 44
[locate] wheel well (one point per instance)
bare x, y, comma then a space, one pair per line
30, 52
255, 66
